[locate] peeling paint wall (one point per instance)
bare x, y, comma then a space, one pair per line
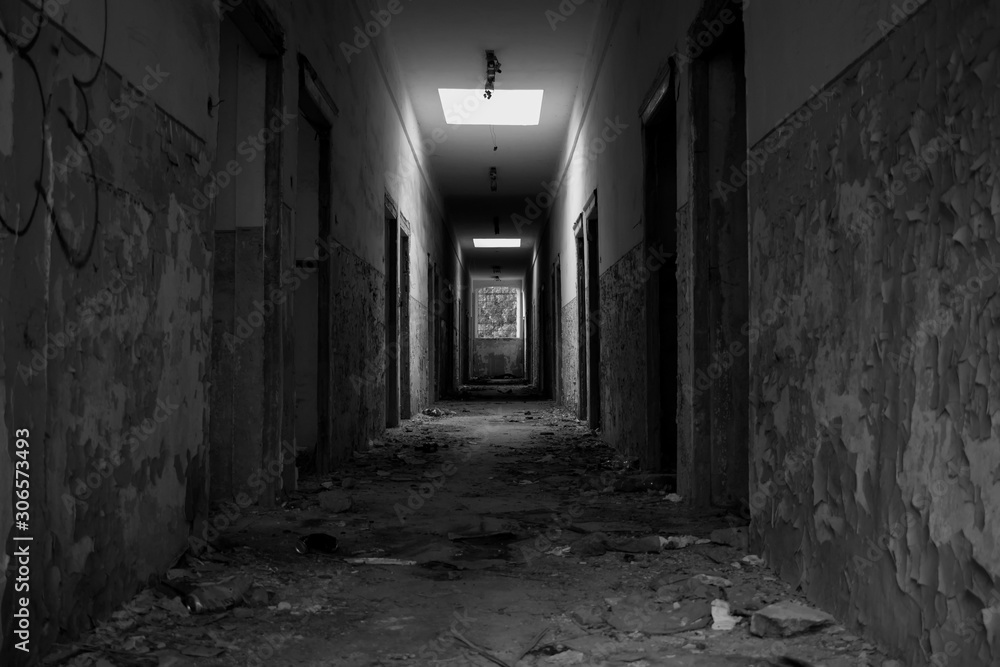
357, 339
570, 356
106, 334
498, 356
687, 417
623, 352
122, 338
874, 252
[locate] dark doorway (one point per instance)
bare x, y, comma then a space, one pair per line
307, 344
583, 400
721, 258
592, 259
660, 158
391, 315
405, 407
309, 310
251, 230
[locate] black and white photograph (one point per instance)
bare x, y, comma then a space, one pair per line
517, 333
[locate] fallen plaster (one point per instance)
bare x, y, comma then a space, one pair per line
493, 529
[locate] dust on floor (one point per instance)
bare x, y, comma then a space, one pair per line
495, 531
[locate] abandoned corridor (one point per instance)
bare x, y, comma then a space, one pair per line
738, 259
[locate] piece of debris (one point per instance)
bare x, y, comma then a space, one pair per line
785, 619
683, 541
595, 544
379, 561
335, 501
753, 560
588, 615
319, 543
565, 658
532, 643
672, 589
733, 537
199, 651
494, 537
745, 599
673, 498
644, 617
721, 618
219, 596
479, 649
437, 412
638, 483
651, 544
712, 580
609, 527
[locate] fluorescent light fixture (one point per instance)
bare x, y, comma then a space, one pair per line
463, 106
497, 243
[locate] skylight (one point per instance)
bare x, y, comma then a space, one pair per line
497, 243
507, 107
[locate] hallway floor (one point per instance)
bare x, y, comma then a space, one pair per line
511, 531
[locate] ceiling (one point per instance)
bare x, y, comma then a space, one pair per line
443, 44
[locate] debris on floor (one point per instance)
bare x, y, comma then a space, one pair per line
440, 555
785, 619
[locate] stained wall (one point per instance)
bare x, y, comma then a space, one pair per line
873, 337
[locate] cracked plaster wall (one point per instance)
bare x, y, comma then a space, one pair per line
873, 412
105, 353
142, 359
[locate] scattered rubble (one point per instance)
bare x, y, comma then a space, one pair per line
733, 537
786, 619
438, 554
721, 618
335, 501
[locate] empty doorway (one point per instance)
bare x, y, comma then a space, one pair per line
589, 314
306, 299
391, 315
721, 261
592, 259
249, 328
405, 407
660, 240
581, 321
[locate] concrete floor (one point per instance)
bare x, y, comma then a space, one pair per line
517, 470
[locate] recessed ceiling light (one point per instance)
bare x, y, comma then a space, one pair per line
497, 243
463, 106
